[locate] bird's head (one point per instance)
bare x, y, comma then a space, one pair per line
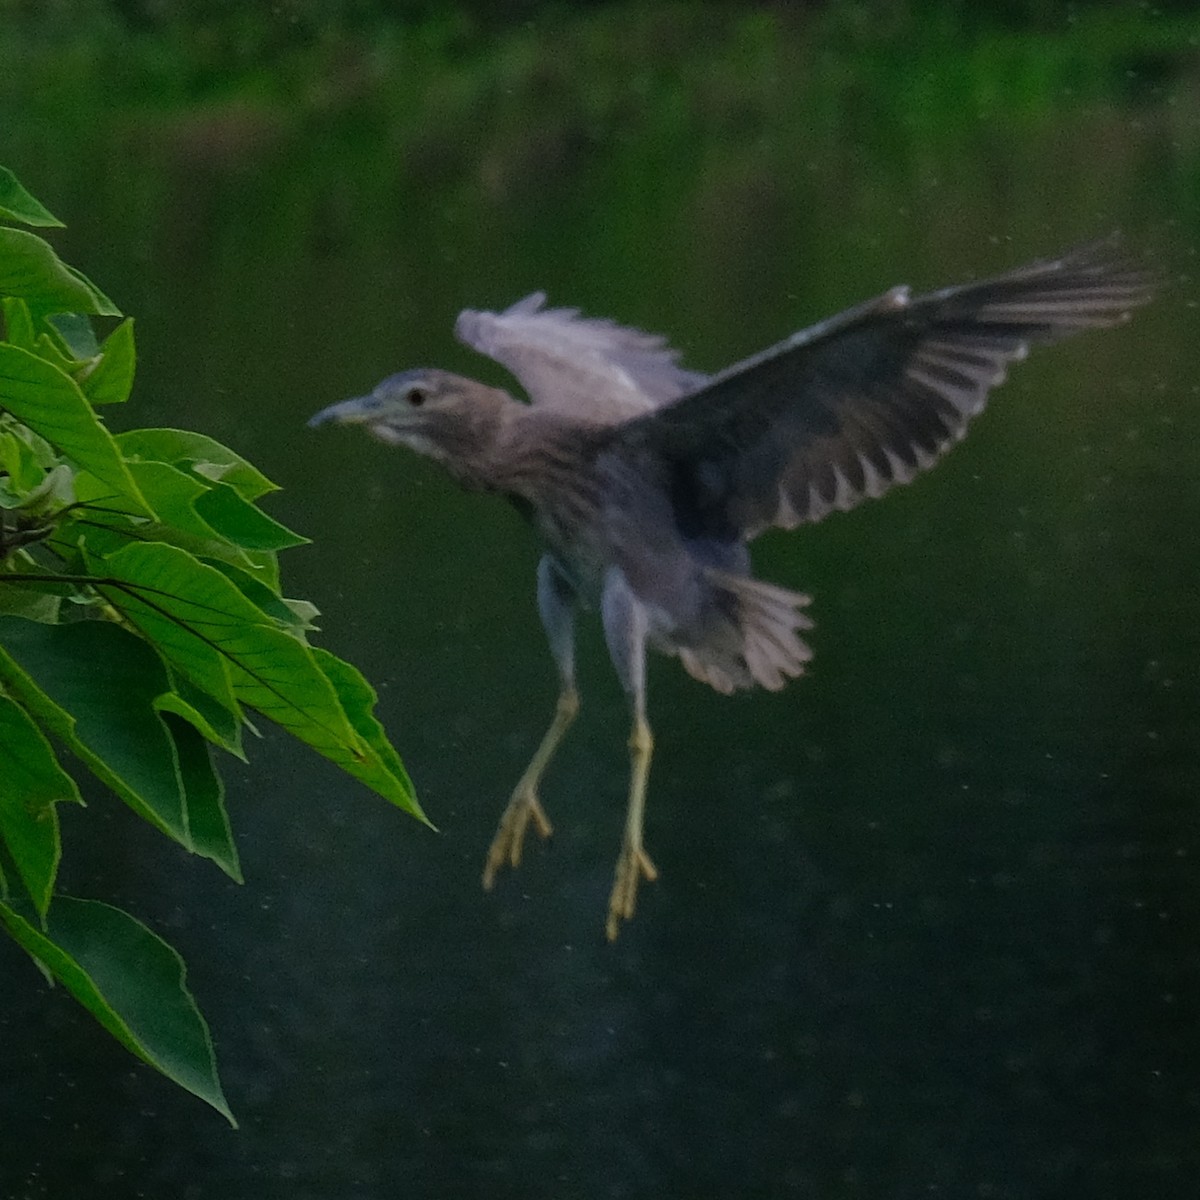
436, 413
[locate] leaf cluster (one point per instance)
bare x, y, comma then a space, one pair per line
142, 626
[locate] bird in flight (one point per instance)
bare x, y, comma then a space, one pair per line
647, 481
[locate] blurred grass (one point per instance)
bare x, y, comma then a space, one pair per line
332, 123
740, 167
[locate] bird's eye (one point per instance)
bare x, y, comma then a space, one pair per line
417, 397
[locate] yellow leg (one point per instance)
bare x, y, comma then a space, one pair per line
524, 805
633, 863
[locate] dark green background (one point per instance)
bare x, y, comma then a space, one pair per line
927, 922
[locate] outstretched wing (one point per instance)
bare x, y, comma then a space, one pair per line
856, 404
593, 369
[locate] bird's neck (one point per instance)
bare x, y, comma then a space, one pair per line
528, 454
536, 453
470, 447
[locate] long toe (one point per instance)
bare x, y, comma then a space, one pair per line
509, 841
633, 865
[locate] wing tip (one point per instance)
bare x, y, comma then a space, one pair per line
532, 303
471, 322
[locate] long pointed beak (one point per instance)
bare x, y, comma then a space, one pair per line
345, 412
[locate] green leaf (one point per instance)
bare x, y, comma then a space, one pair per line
171, 493
197, 453
99, 533
16, 204
304, 613
264, 564
19, 601
20, 463
298, 614
29, 268
22, 331
51, 404
111, 379
41, 449
207, 820
104, 713
55, 492
242, 523
151, 591
215, 722
31, 783
358, 698
18, 322
190, 611
132, 982
74, 336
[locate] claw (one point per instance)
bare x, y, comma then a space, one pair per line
633, 865
524, 805
510, 836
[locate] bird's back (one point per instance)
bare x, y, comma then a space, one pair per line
601, 512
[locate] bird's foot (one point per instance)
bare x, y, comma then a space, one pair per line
510, 835
633, 865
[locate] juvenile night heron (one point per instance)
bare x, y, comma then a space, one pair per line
646, 481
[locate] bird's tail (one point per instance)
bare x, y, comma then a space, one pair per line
767, 649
